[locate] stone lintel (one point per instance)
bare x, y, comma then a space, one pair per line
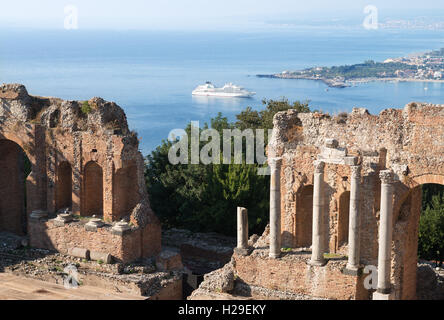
350, 161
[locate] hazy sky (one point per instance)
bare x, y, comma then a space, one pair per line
195, 14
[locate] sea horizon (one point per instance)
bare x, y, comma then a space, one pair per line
151, 74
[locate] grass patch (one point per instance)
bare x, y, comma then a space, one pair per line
333, 255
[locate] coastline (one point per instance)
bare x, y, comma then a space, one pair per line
332, 83
364, 80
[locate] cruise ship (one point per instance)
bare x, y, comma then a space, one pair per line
228, 90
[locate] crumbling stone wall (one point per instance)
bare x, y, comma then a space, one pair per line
83, 156
409, 141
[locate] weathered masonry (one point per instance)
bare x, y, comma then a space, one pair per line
345, 195
351, 185
84, 162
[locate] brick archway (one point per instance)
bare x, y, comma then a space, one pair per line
343, 218
304, 216
406, 235
92, 195
64, 186
12, 188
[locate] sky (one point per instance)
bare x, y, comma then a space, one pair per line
197, 14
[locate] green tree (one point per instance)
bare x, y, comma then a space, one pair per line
204, 198
431, 227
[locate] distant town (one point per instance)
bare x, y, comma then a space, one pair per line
427, 66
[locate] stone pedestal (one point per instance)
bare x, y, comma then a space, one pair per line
317, 255
275, 207
383, 296
120, 228
385, 232
38, 214
62, 219
93, 224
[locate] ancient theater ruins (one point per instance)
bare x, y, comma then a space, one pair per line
86, 188
345, 200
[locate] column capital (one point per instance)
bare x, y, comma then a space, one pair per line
355, 171
275, 163
386, 176
319, 166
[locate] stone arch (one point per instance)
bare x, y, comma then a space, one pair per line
304, 216
343, 218
125, 190
63, 187
12, 188
92, 194
429, 179
405, 237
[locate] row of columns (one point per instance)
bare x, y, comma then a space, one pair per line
318, 234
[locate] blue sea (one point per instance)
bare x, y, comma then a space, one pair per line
151, 74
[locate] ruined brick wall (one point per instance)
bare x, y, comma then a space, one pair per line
410, 141
292, 273
83, 157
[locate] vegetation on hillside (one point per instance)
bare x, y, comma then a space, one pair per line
431, 226
204, 198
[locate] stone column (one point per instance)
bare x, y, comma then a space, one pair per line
354, 220
275, 207
242, 228
242, 231
317, 253
385, 236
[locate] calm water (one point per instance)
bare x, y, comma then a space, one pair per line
151, 74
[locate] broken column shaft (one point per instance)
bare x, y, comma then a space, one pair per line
242, 228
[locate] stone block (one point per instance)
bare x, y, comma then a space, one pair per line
351, 161
79, 253
331, 143
169, 260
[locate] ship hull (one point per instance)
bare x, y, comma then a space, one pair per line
224, 95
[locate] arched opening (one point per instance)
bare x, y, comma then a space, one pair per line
125, 189
64, 186
14, 169
344, 208
304, 216
93, 190
418, 243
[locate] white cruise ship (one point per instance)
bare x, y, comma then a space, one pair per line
228, 90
